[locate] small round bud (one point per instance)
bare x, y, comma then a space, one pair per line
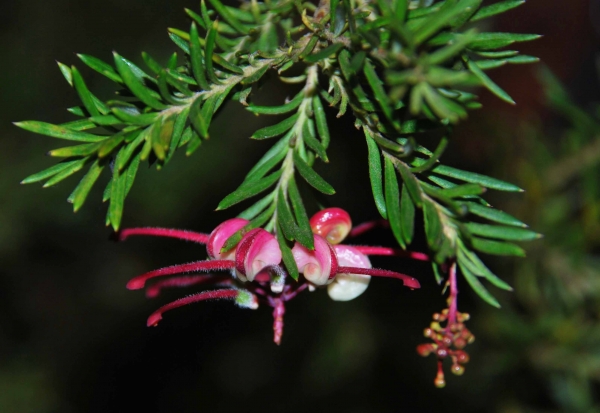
462, 357
457, 369
428, 332
424, 349
439, 381
460, 343
435, 326
441, 352
333, 224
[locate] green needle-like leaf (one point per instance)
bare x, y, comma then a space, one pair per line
324, 53
277, 129
286, 253
60, 132
85, 185
489, 83
133, 82
66, 172
493, 214
248, 189
304, 234
277, 110
375, 175
285, 218
101, 67
478, 287
486, 181
49, 172
392, 202
501, 232
407, 213
321, 121
311, 176
196, 58
497, 247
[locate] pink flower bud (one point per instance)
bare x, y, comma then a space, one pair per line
318, 266
346, 287
257, 250
220, 235
333, 224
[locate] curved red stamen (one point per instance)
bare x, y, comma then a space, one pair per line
165, 232
368, 226
156, 316
185, 281
210, 265
396, 252
408, 281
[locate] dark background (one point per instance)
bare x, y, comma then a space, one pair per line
73, 339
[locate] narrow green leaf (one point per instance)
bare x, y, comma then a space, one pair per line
277, 129
143, 119
377, 87
437, 273
321, 121
269, 159
304, 233
286, 253
502, 232
74, 167
489, 83
324, 53
411, 182
194, 144
196, 58
85, 185
78, 150
407, 215
477, 267
486, 181
433, 225
309, 47
375, 174
126, 154
497, 247
309, 138
493, 214
151, 63
178, 128
491, 41
117, 199
496, 8
258, 207
284, 217
458, 45
110, 144
248, 190
228, 17
66, 72
60, 132
101, 67
49, 172
209, 48
84, 93
463, 190
131, 172
478, 287
277, 110
392, 202
311, 176
199, 122
136, 86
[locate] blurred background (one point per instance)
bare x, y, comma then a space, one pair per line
73, 339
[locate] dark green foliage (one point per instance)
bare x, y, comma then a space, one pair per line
400, 69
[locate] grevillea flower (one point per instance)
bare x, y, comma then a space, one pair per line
253, 270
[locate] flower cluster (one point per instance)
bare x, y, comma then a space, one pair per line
450, 340
256, 273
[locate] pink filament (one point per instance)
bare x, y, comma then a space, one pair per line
368, 226
391, 251
408, 281
156, 316
185, 281
210, 265
165, 232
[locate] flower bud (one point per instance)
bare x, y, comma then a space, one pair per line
257, 250
220, 235
245, 299
346, 287
333, 224
318, 266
